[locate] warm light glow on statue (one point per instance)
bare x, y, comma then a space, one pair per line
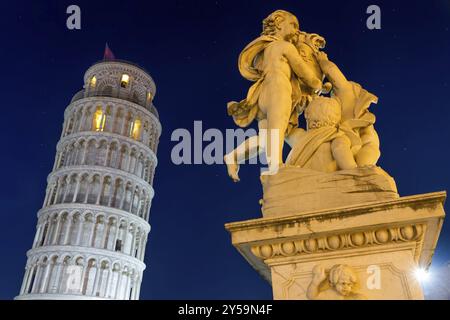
333, 225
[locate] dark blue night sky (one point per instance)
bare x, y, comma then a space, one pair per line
190, 48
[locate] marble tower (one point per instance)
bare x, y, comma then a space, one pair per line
93, 226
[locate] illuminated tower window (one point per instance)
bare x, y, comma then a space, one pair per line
124, 80
135, 129
99, 120
149, 96
93, 81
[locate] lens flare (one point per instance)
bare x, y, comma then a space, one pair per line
422, 275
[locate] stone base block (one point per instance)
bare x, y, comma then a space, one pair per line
364, 251
293, 190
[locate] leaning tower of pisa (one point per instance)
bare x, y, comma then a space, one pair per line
92, 229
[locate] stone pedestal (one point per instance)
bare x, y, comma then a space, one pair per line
294, 190
369, 250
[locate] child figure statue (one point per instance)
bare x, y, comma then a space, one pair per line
322, 146
274, 62
340, 133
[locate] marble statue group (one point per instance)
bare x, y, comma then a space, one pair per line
293, 76
333, 225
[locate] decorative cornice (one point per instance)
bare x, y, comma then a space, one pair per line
109, 136
115, 67
112, 100
95, 209
430, 199
342, 241
103, 171
87, 251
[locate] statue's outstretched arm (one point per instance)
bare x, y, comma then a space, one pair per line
301, 68
332, 72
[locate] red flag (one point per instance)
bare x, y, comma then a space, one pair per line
108, 55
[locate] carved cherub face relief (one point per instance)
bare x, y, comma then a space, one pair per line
343, 279
345, 285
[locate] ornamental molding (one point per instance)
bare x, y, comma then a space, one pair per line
431, 201
87, 252
115, 102
103, 171
100, 101
351, 239
110, 138
96, 210
113, 69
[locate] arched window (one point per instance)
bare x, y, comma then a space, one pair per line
98, 122
124, 80
135, 129
69, 127
93, 82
